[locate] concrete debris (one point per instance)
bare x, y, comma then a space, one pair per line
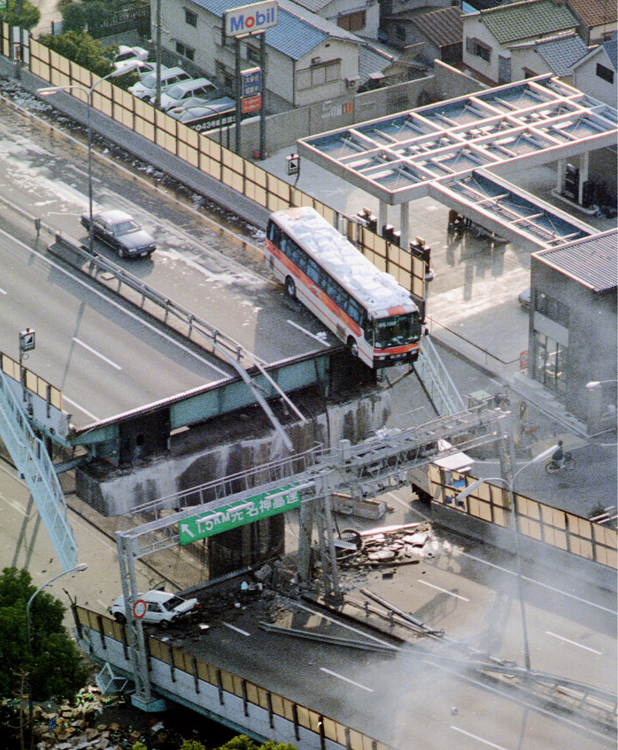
392, 546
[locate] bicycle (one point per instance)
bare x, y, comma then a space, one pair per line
567, 463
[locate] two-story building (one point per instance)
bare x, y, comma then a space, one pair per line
596, 72
361, 17
597, 19
308, 59
436, 33
556, 55
490, 34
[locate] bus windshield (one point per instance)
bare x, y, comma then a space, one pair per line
397, 330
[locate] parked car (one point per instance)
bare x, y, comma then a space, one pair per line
162, 608
196, 108
177, 95
524, 298
121, 232
148, 68
126, 53
147, 87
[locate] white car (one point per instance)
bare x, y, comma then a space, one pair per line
147, 87
162, 608
126, 54
177, 95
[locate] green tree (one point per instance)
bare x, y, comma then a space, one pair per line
242, 742
53, 662
73, 17
81, 48
21, 13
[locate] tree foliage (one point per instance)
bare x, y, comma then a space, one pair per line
242, 742
53, 662
81, 48
21, 13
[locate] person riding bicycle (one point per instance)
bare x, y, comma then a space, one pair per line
558, 455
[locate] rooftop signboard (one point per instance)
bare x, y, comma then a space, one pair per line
249, 19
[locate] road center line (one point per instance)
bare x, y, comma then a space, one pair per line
97, 354
346, 679
238, 630
445, 591
573, 643
480, 739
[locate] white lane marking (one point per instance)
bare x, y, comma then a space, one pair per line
346, 679
444, 591
14, 504
97, 354
480, 739
113, 303
238, 630
308, 333
3, 291
525, 578
573, 643
81, 408
405, 503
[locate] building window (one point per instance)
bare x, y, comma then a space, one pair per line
529, 73
551, 308
185, 51
478, 49
352, 21
605, 73
320, 74
549, 362
190, 17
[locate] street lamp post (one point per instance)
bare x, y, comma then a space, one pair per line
75, 569
121, 70
511, 488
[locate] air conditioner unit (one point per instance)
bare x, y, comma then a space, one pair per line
316, 60
351, 83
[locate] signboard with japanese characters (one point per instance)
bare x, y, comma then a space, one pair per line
238, 513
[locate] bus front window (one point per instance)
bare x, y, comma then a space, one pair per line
398, 330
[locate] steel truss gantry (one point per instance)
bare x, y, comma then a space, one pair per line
378, 464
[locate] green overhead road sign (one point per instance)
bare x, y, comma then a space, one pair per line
239, 513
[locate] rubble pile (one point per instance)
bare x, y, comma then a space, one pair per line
387, 546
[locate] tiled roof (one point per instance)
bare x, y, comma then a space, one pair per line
371, 60
443, 26
298, 31
592, 261
561, 53
594, 12
532, 18
611, 48
312, 5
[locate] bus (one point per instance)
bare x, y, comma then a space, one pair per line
364, 307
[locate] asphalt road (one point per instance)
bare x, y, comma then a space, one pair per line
94, 350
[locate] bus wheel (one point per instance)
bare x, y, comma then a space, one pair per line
353, 346
290, 287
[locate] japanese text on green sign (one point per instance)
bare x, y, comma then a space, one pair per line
239, 513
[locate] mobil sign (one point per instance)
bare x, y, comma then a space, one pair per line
251, 18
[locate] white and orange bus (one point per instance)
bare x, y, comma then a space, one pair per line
364, 307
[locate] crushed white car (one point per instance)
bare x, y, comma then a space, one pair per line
161, 607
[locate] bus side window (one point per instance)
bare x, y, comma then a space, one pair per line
274, 234
313, 271
354, 310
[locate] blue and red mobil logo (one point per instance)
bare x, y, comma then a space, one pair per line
251, 18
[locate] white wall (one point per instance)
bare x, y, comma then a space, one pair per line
526, 57
342, 7
473, 28
585, 78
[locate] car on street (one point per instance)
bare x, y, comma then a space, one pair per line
524, 298
121, 232
177, 95
146, 88
158, 607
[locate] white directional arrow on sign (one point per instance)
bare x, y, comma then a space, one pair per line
185, 529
